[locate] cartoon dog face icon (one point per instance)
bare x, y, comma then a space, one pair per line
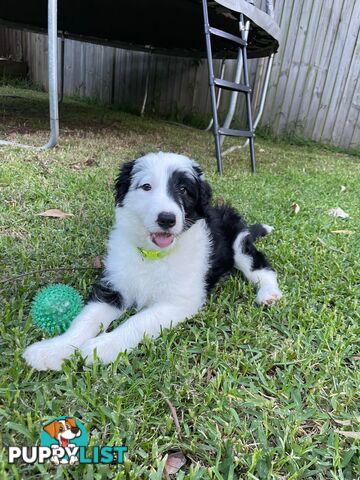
63, 431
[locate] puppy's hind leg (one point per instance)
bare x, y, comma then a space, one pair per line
105, 305
256, 268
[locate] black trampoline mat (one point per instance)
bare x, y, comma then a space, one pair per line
168, 26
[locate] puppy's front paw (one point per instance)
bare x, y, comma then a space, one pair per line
268, 296
106, 349
48, 354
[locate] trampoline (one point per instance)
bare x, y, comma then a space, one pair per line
197, 28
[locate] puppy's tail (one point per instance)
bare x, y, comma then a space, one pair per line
259, 230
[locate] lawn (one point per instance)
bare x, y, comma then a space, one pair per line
259, 393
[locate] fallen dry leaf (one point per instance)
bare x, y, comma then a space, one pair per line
98, 261
295, 208
342, 422
338, 212
110, 181
347, 434
343, 232
76, 166
54, 213
356, 357
343, 189
174, 462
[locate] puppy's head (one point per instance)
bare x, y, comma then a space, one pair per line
63, 430
159, 196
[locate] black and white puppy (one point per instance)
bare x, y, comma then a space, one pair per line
168, 248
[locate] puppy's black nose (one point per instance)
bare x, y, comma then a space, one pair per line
166, 219
75, 429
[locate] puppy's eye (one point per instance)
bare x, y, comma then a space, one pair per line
61, 429
146, 187
182, 190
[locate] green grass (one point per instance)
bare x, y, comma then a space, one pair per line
260, 394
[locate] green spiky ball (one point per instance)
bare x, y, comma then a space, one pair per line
55, 307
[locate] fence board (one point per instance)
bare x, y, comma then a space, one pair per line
340, 95
306, 72
335, 61
293, 92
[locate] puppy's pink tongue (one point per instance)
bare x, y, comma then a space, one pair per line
162, 240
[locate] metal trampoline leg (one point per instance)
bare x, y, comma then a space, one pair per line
53, 75
263, 95
53, 82
248, 98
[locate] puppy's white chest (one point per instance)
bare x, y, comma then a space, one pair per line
178, 276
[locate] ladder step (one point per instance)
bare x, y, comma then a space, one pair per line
239, 87
227, 36
229, 132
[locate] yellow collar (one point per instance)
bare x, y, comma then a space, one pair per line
152, 254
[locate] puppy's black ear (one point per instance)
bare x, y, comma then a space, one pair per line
123, 181
205, 194
205, 191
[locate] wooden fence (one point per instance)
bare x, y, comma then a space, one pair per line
314, 88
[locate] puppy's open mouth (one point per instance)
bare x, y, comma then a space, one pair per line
64, 442
162, 239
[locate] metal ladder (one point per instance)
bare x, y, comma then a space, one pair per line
215, 82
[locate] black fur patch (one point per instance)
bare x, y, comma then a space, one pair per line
224, 224
258, 230
123, 181
103, 292
191, 193
259, 260
205, 197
